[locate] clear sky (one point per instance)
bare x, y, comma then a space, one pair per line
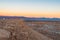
31, 8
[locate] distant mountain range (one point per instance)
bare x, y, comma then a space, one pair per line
31, 19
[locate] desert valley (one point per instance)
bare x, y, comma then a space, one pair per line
19, 29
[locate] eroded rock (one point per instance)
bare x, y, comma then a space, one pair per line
4, 33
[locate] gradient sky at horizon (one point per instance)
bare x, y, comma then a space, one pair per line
31, 8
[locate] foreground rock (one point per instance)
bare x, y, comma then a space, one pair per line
15, 29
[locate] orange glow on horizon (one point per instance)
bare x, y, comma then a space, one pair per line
31, 14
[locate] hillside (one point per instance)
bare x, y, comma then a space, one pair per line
15, 29
49, 28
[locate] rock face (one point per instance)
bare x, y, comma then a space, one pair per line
4, 33
15, 29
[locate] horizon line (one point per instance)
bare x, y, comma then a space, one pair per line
30, 17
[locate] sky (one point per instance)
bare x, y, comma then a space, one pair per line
30, 8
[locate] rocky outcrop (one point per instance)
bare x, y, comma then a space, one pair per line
15, 29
